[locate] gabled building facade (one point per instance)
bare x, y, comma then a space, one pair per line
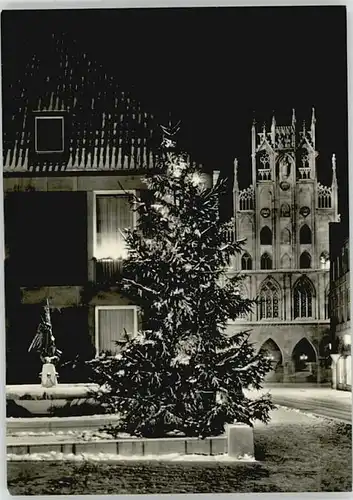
75, 147
340, 308
284, 216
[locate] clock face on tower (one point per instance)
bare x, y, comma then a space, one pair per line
265, 212
284, 186
304, 211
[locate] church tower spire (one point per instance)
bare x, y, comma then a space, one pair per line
235, 183
334, 175
294, 120
313, 126
334, 187
273, 129
235, 198
253, 151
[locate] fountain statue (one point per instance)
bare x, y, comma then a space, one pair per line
44, 344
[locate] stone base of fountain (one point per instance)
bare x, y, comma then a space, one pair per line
34, 400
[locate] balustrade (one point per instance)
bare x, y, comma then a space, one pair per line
107, 270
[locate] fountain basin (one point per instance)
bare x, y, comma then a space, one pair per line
34, 400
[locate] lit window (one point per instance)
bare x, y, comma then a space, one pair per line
113, 214
269, 301
114, 326
49, 134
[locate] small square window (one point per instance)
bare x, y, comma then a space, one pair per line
49, 134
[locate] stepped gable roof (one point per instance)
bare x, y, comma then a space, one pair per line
108, 129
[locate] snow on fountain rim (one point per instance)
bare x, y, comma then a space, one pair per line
107, 457
76, 418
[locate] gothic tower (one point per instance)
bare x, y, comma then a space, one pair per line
284, 217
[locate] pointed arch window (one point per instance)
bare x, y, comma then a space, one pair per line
303, 299
305, 236
246, 262
266, 236
285, 210
269, 301
285, 237
305, 260
266, 261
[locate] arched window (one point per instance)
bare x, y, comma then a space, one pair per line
303, 299
269, 301
285, 210
266, 236
266, 261
285, 236
305, 235
305, 261
246, 262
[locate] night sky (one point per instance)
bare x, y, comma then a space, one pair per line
214, 68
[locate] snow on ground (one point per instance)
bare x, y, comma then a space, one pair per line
80, 435
279, 416
284, 415
97, 457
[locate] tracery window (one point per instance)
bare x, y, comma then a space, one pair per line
266, 261
246, 199
266, 236
246, 262
269, 301
305, 236
303, 299
324, 196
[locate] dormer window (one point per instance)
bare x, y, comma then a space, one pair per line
49, 134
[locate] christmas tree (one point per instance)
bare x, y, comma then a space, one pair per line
182, 372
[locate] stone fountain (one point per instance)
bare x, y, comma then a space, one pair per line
44, 399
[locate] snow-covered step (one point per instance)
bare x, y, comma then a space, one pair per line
122, 446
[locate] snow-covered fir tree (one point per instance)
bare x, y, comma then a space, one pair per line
182, 372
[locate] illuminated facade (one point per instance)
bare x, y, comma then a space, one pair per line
284, 216
340, 308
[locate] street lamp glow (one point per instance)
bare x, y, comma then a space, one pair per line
347, 339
